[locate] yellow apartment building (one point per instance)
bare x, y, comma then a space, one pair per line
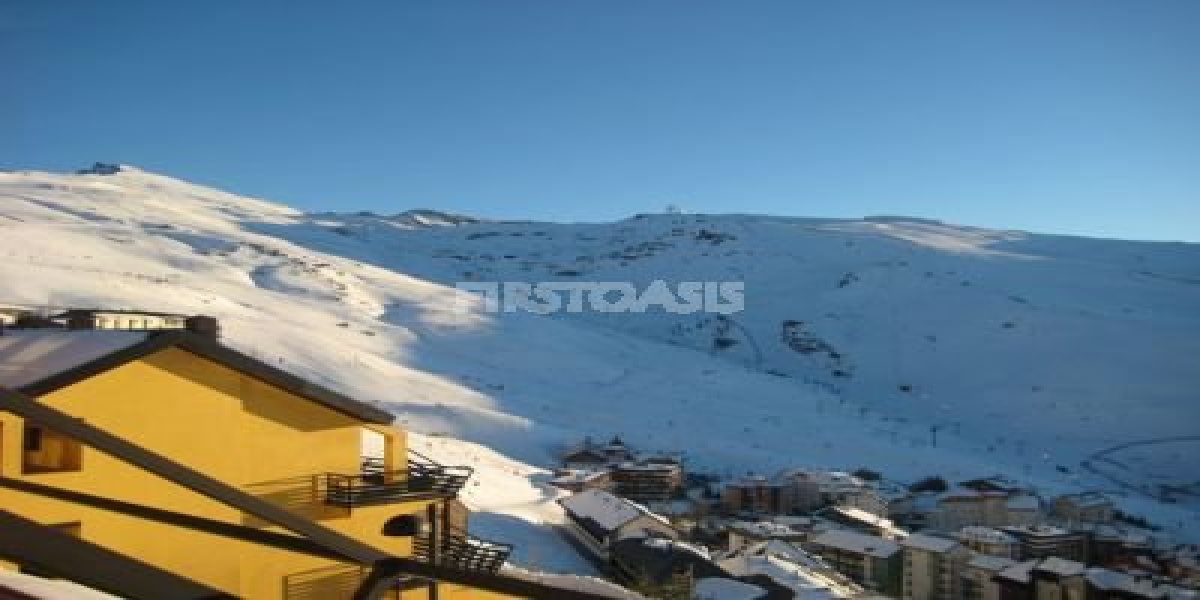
331, 460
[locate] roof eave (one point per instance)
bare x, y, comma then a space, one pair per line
214, 351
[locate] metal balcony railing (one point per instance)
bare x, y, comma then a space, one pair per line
462, 551
374, 485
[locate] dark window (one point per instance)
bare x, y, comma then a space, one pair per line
47, 451
33, 438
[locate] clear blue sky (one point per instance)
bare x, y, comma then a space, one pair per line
1074, 116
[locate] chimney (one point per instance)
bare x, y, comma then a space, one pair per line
203, 326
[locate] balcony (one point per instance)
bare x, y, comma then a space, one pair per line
374, 485
459, 550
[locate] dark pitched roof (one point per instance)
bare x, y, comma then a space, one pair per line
214, 351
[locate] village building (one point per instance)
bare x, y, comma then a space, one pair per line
659, 562
588, 456
1114, 546
576, 481
1015, 582
861, 520
597, 519
867, 499
1060, 579
1042, 541
805, 575
990, 541
758, 494
977, 578
964, 506
1106, 584
617, 452
1182, 563
786, 529
645, 479
913, 510
873, 562
1087, 507
815, 488
654, 479
199, 435
932, 567
990, 502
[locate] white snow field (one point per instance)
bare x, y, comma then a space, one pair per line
861, 340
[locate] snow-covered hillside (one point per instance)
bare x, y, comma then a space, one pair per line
1027, 354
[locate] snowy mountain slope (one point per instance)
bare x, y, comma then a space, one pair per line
1075, 344
875, 331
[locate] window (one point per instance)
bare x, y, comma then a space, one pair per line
33, 439
47, 451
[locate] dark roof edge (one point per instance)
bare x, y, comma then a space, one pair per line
216, 352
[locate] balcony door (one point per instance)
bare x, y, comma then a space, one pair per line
375, 448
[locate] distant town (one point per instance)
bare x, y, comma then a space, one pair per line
819, 533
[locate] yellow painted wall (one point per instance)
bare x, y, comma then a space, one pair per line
233, 428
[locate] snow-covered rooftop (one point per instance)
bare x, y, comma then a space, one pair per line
990, 563
717, 588
824, 479
930, 543
1037, 530
30, 355
988, 535
607, 510
806, 584
663, 543
1019, 571
1061, 566
863, 516
766, 528
808, 576
859, 543
578, 476
1143, 587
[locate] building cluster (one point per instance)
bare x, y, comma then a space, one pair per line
152, 461
798, 491
984, 538
649, 479
812, 533
648, 553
